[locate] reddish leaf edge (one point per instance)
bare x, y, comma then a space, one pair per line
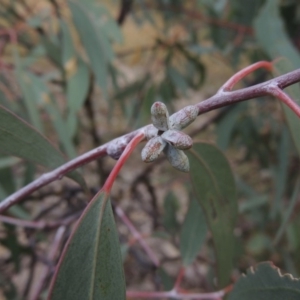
104, 190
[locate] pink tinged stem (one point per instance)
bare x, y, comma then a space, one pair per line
136, 234
179, 278
230, 83
126, 153
223, 98
275, 91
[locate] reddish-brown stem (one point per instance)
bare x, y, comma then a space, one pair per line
229, 84
136, 234
115, 171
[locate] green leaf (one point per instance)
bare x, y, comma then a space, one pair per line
60, 127
283, 67
193, 233
266, 282
271, 34
7, 183
52, 48
68, 51
43, 96
8, 162
215, 190
106, 23
77, 76
286, 215
27, 91
97, 46
170, 209
226, 125
177, 79
78, 85
166, 280
77, 90
19, 139
281, 172
91, 264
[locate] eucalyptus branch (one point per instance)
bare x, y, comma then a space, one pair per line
225, 96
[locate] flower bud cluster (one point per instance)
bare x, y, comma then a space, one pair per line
164, 135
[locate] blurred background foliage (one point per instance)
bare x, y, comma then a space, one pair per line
84, 72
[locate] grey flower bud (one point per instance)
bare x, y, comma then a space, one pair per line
177, 158
152, 149
184, 117
178, 139
160, 116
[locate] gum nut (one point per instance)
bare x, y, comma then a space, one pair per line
152, 149
150, 132
177, 159
184, 117
160, 116
178, 139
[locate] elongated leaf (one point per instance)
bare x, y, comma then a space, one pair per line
214, 188
7, 183
19, 139
281, 173
60, 127
287, 214
272, 36
68, 52
265, 282
8, 162
77, 89
227, 124
77, 75
91, 265
166, 280
97, 46
27, 92
177, 79
43, 96
193, 233
78, 85
170, 209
